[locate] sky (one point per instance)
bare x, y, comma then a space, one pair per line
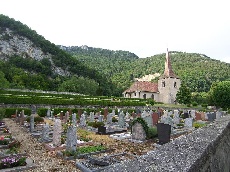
143, 27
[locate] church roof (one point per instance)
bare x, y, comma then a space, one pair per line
143, 86
168, 73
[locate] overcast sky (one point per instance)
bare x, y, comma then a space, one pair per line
144, 27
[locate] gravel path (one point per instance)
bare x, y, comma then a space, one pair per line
47, 161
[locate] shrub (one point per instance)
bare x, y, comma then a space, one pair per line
198, 125
152, 133
37, 119
12, 111
114, 119
96, 124
194, 103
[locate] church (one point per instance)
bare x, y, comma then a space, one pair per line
164, 90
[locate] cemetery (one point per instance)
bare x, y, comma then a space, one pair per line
78, 140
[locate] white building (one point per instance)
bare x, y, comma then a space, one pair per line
164, 90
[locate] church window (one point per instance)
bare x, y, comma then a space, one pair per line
152, 96
163, 84
144, 96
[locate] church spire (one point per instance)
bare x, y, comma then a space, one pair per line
168, 73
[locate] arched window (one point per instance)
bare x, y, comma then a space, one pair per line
144, 96
163, 83
152, 96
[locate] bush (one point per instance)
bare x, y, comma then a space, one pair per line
37, 119
12, 111
194, 103
198, 125
152, 133
96, 124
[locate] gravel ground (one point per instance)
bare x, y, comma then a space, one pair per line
45, 160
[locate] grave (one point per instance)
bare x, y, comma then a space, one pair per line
164, 132
138, 132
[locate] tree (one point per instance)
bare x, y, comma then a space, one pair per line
220, 94
4, 83
184, 95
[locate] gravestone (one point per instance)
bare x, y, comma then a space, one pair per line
71, 138
91, 116
193, 114
188, 122
45, 133
79, 112
109, 118
22, 118
106, 111
32, 123
33, 109
163, 131
100, 118
121, 119
186, 115
149, 121
211, 116
61, 115
198, 116
74, 119
57, 130
101, 130
155, 118
48, 112
203, 116
66, 116
83, 120
218, 115
138, 132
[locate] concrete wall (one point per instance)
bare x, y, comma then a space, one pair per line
204, 150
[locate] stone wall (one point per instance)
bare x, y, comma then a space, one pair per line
205, 149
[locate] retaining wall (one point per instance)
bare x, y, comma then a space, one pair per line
206, 149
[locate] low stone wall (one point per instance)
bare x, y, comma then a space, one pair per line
205, 149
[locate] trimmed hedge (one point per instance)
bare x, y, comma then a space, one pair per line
12, 111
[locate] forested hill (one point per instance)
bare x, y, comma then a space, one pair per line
197, 70
28, 60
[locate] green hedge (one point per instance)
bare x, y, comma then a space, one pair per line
12, 111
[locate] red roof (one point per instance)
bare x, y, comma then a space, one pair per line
143, 86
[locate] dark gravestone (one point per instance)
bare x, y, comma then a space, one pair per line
101, 130
211, 116
186, 115
163, 131
155, 118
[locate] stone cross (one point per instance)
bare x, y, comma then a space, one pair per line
57, 132
71, 138
149, 121
22, 118
109, 118
100, 118
66, 116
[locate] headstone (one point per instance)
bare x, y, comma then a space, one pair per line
203, 116
138, 132
121, 119
198, 116
57, 132
109, 118
193, 114
61, 115
83, 120
218, 115
106, 111
186, 115
101, 130
33, 109
74, 119
100, 118
91, 116
211, 116
71, 138
22, 118
48, 113
66, 116
149, 121
45, 133
163, 131
188, 122
155, 118
32, 123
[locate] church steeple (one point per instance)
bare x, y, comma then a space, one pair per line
168, 73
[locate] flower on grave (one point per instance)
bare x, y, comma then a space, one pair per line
1, 137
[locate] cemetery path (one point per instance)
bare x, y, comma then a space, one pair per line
46, 161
